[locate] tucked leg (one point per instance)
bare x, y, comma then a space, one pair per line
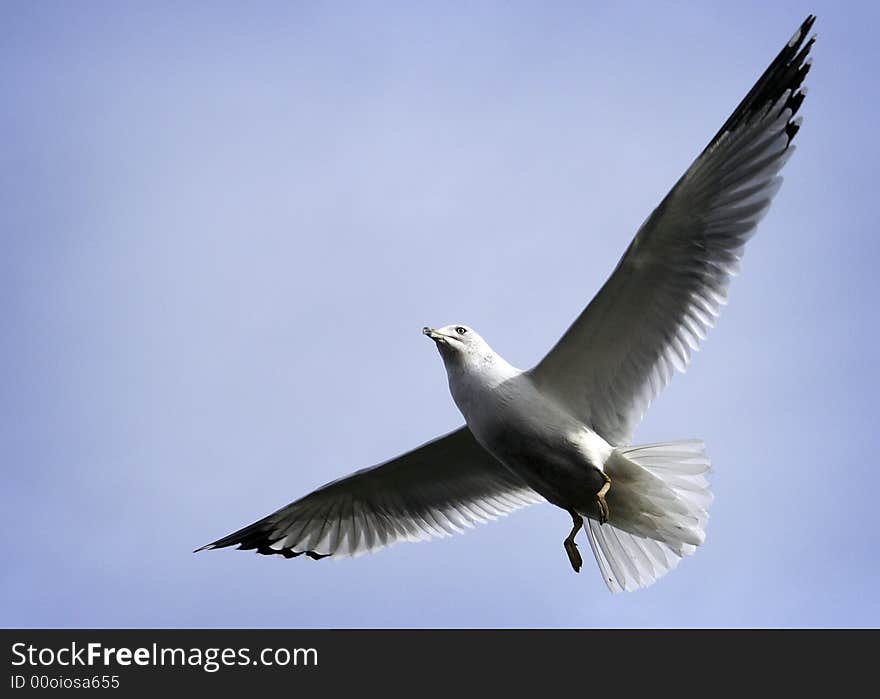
570, 546
604, 512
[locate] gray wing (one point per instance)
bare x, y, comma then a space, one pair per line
671, 282
439, 489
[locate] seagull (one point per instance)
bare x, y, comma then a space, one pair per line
561, 432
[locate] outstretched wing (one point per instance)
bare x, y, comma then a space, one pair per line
670, 283
436, 490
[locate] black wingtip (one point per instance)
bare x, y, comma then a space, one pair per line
267, 550
801, 32
785, 73
264, 548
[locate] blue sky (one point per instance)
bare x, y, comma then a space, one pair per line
225, 227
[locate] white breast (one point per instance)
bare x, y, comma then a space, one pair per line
495, 407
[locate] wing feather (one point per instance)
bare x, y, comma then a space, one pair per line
436, 490
669, 286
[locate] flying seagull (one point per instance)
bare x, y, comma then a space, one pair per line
561, 432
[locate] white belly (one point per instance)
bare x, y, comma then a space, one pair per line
537, 438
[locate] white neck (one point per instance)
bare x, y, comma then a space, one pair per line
474, 378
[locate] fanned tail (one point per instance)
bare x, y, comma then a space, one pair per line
659, 502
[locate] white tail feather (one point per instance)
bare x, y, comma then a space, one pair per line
659, 501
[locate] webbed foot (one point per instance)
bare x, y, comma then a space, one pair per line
604, 512
571, 548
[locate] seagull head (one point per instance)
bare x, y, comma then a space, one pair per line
469, 360
459, 344
452, 337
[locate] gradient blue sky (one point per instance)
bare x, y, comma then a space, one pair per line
226, 224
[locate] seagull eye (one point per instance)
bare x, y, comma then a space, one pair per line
460, 330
